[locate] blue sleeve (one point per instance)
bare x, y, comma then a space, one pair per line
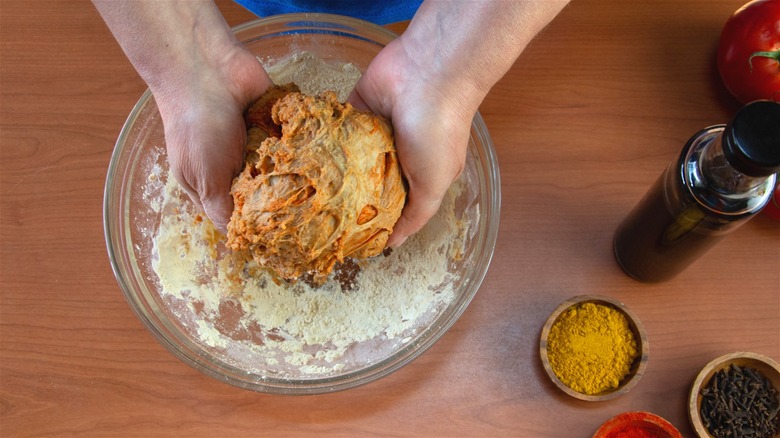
375, 11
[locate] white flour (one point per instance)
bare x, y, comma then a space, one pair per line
240, 314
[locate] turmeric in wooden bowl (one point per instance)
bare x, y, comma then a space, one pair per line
593, 348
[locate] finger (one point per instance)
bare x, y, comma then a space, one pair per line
219, 208
185, 185
416, 213
357, 101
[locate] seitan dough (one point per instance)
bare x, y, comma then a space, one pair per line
321, 182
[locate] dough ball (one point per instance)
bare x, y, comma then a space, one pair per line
328, 188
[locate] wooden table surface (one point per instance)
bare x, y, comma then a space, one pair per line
596, 107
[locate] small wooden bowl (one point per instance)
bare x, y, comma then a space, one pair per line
768, 367
637, 368
640, 420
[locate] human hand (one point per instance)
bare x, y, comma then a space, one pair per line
431, 123
202, 80
205, 132
430, 82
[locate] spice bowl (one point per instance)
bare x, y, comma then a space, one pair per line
640, 424
621, 325
766, 368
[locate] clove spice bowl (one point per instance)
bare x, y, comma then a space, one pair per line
736, 394
594, 348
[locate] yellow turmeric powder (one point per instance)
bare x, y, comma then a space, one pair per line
591, 348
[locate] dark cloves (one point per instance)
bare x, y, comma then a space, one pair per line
740, 402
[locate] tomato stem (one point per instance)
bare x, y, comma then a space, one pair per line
775, 54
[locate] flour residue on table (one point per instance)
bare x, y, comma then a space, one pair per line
239, 312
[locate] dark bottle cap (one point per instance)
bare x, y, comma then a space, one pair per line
751, 142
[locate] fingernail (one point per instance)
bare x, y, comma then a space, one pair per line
396, 242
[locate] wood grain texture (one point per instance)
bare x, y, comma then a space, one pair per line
582, 124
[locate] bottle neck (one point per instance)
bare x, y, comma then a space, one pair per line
716, 184
720, 176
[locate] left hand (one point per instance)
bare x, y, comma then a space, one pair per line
431, 126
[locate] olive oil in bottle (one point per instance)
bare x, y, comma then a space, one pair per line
724, 175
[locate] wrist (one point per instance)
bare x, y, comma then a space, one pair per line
467, 47
187, 58
174, 45
440, 82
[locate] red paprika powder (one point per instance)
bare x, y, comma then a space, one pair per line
633, 431
637, 425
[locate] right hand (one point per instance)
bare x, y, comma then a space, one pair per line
202, 80
205, 133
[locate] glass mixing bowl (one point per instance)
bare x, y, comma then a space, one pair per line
132, 218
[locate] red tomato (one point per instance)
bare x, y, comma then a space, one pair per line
772, 208
749, 52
